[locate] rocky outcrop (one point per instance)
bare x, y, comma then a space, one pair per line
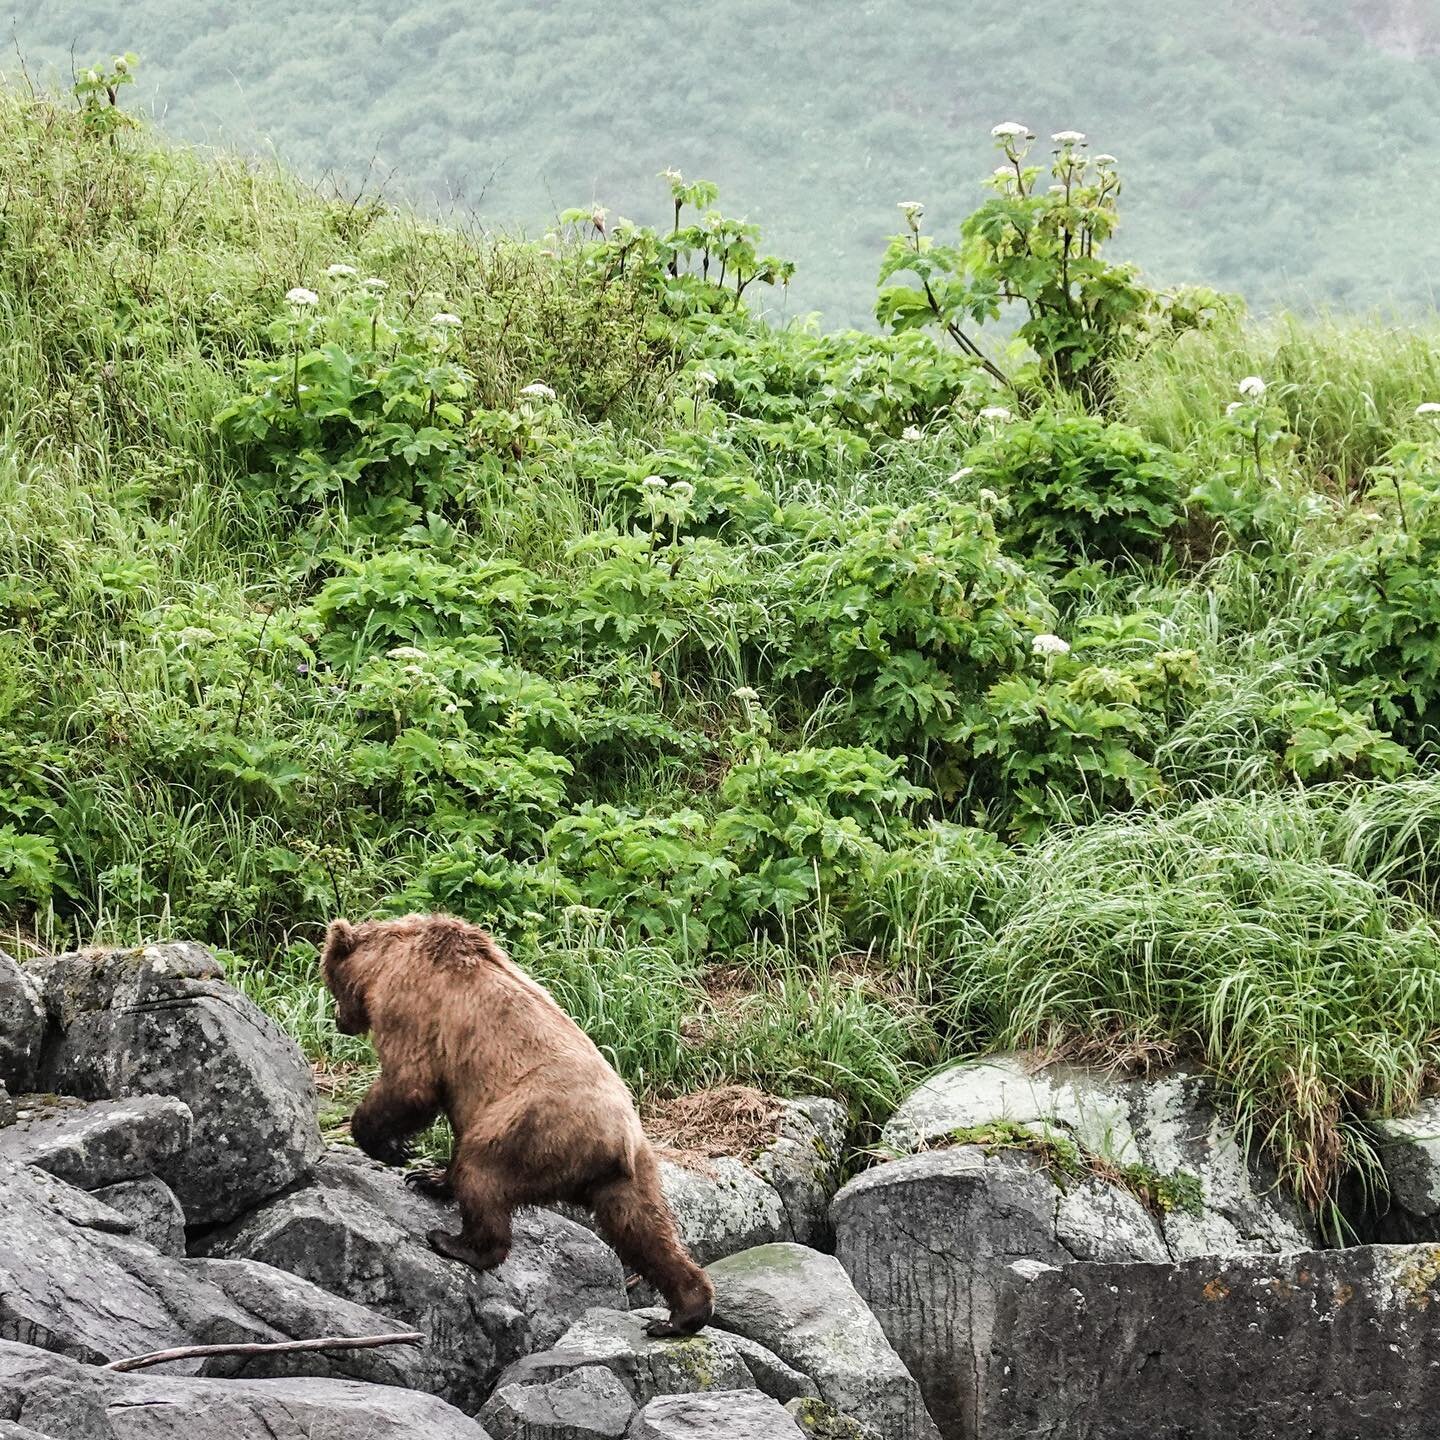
47, 1395
73, 1279
1166, 1125
1330, 1344
926, 1241
22, 1027
1409, 1151
161, 1021
357, 1231
802, 1306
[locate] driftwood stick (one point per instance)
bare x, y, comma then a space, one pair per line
278, 1347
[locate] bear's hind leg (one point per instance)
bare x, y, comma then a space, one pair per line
485, 1206
635, 1220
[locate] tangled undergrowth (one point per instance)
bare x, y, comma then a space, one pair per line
804, 709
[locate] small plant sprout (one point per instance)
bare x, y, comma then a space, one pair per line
97, 90
912, 211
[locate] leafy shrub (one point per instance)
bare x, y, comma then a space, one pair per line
366, 408
1077, 488
1376, 610
1039, 249
910, 616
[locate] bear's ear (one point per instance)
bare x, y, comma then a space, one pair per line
339, 942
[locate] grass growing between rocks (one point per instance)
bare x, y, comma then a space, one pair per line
805, 710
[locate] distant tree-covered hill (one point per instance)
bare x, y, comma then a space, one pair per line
1280, 147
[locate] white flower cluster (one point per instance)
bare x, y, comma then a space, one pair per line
301, 296
446, 321
1428, 408
1068, 137
1011, 130
1049, 645
341, 270
912, 211
538, 390
1252, 387
998, 413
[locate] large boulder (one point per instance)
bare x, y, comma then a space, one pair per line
616, 1341
73, 1279
357, 1231
96, 1143
803, 1166
22, 1027
161, 1021
45, 1394
1167, 1126
801, 1305
1329, 1344
927, 1240
722, 1415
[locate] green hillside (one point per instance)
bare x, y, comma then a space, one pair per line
1280, 149
804, 709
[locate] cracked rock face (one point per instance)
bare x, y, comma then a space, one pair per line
1333, 1344
927, 1241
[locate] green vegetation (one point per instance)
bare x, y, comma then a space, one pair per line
805, 709
1067, 1162
1279, 150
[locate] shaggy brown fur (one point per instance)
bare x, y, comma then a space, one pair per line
538, 1114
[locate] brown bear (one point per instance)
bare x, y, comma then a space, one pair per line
538, 1114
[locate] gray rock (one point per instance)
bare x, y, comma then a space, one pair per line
721, 1415
722, 1206
358, 1232
801, 1305
1331, 1344
62, 1398
161, 1021
1166, 1124
927, 1239
70, 1283
22, 1026
10, 1431
802, 1165
1409, 1150
152, 1209
588, 1403
95, 1143
820, 1421
615, 1340
7, 1107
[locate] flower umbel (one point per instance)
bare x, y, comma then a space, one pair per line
1252, 387
301, 296
1049, 645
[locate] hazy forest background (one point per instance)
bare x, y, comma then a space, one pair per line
1262, 140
